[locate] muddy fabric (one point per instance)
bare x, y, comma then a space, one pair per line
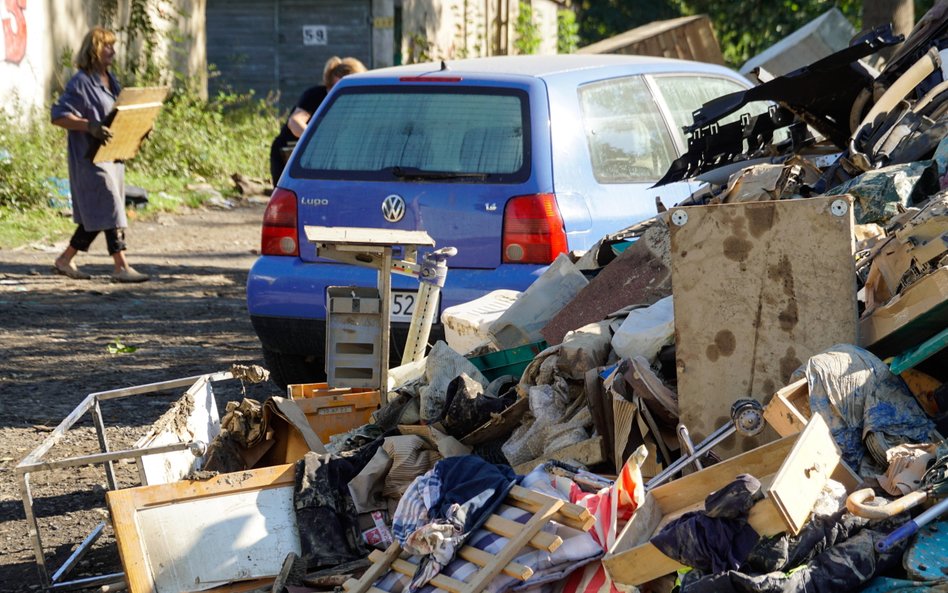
857, 395
783, 552
879, 193
469, 405
442, 366
845, 565
325, 514
443, 507
718, 538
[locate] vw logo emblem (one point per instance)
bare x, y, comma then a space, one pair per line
393, 208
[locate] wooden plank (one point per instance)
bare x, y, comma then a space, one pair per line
366, 236
408, 569
640, 275
485, 559
154, 525
376, 571
753, 301
506, 528
514, 546
571, 515
804, 473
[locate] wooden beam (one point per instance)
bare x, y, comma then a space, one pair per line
514, 545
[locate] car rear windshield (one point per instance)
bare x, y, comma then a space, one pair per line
420, 133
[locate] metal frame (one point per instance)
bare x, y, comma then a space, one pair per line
34, 462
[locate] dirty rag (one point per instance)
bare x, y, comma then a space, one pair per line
441, 367
468, 404
836, 554
327, 519
716, 539
857, 395
444, 506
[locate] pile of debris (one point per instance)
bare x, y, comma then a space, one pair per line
718, 399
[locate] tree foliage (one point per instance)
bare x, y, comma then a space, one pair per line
743, 29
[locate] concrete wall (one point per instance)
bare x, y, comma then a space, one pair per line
37, 34
455, 29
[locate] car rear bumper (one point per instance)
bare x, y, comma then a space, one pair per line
286, 297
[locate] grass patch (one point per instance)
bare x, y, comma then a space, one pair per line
195, 141
24, 227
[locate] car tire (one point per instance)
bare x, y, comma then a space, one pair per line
290, 369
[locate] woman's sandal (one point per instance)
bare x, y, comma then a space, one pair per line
70, 271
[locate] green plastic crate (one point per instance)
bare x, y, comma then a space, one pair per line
512, 361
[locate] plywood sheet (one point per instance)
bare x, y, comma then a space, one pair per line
133, 116
759, 287
193, 535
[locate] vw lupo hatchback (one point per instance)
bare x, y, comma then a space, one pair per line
512, 160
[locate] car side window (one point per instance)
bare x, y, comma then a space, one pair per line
685, 94
628, 139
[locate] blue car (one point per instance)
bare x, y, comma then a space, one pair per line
512, 160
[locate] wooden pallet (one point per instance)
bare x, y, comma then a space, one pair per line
544, 508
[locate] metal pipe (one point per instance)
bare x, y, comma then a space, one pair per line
706, 445
684, 437
198, 448
103, 444
909, 528
160, 386
32, 527
78, 553
109, 580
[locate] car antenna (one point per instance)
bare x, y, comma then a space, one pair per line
444, 66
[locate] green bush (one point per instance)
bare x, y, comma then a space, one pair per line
211, 139
192, 138
31, 152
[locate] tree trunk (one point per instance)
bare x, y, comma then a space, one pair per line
901, 13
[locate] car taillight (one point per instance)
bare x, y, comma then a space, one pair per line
279, 235
533, 230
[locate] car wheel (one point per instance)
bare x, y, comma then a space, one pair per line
289, 369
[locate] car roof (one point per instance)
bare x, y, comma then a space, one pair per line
549, 66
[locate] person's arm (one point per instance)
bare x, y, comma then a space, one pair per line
67, 113
75, 123
72, 122
298, 120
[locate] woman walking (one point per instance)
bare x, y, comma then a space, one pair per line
98, 189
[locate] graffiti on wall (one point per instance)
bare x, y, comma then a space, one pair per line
14, 30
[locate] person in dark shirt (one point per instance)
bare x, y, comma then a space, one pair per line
309, 101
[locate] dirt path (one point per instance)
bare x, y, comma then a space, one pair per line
54, 336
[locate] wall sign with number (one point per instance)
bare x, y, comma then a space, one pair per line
315, 35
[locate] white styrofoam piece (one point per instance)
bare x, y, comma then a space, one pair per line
466, 325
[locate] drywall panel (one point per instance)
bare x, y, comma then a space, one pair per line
192, 535
758, 288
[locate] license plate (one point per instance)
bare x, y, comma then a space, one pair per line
403, 305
